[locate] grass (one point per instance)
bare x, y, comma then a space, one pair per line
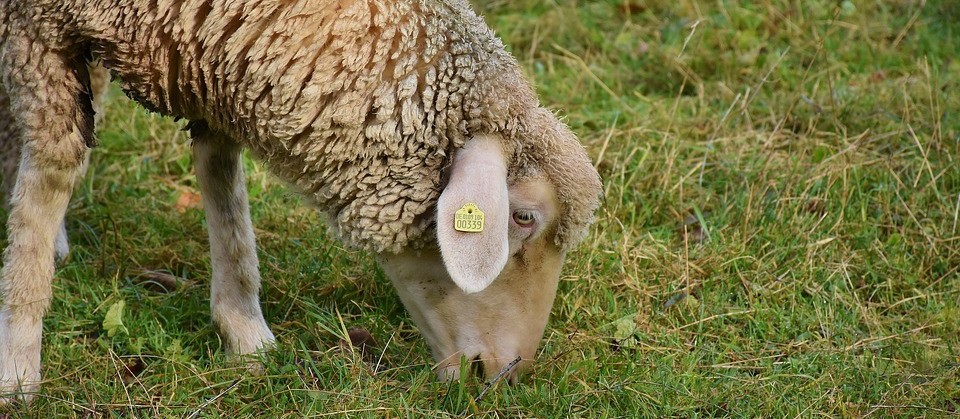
779, 236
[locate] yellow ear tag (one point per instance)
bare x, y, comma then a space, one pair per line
468, 218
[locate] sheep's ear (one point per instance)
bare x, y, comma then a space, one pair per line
479, 177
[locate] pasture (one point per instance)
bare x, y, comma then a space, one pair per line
778, 238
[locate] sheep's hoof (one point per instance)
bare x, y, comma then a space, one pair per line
18, 385
10, 401
253, 363
13, 394
251, 355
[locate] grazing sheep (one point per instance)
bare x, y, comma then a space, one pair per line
387, 115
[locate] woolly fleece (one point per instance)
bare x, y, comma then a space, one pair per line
359, 104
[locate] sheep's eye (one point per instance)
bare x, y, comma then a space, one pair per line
523, 217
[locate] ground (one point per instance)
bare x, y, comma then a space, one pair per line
779, 236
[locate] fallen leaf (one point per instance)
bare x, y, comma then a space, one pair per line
625, 329
632, 7
158, 281
113, 321
188, 200
132, 369
816, 206
674, 299
363, 341
878, 76
692, 229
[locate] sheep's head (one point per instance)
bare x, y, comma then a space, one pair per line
499, 175
487, 294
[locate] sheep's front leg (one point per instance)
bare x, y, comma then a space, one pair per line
234, 300
50, 100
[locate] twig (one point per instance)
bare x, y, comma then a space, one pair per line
693, 30
747, 98
376, 368
907, 406
723, 120
867, 341
906, 28
806, 73
496, 379
606, 141
956, 212
586, 68
215, 398
715, 316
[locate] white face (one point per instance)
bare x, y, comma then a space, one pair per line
487, 294
505, 320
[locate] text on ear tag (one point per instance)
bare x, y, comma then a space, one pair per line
468, 218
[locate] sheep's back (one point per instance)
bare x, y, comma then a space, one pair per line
356, 103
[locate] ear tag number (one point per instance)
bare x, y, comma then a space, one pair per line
468, 219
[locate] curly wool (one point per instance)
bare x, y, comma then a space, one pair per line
357, 103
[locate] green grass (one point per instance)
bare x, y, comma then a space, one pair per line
779, 236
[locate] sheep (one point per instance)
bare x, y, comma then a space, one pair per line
391, 117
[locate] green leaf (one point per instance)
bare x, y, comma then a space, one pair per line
624, 330
847, 8
113, 321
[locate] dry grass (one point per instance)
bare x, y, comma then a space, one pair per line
779, 236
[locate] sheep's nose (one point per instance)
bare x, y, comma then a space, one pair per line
490, 370
504, 369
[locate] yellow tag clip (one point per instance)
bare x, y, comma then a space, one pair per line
468, 218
